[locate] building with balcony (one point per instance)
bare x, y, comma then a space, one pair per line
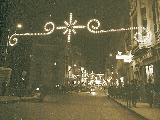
144, 13
144, 41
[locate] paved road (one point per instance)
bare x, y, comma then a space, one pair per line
82, 106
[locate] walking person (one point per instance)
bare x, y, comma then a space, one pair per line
149, 92
128, 93
134, 93
3, 88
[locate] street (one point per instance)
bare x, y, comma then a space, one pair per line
73, 106
57, 57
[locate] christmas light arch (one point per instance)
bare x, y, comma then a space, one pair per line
70, 27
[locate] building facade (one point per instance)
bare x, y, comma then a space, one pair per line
144, 41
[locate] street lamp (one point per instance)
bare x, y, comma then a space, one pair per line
19, 26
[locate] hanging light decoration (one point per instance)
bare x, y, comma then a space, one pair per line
70, 27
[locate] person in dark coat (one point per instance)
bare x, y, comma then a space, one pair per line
134, 93
127, 88
3, 88
149, 92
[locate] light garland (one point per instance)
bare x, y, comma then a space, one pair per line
92, 26
13, 41
48, 28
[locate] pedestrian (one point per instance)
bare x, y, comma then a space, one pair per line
149, 92
3, 88
128, 93
134, 92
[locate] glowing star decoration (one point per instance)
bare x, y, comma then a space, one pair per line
70, 27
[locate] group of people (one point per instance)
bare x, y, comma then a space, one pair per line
130, 92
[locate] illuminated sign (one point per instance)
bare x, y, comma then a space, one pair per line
127, 58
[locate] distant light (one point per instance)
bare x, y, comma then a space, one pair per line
110, 55
19, 25
122, 79
75, 65
82, 68
98, 81
37, 88
55, 63
93, 93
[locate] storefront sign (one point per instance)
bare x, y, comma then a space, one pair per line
127, 58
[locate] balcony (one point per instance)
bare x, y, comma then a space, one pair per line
157, 36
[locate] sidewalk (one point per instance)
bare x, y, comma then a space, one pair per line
9, 99
142, 109
53, 98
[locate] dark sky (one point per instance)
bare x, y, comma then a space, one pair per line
112, 14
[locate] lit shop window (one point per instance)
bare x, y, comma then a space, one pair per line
149, 71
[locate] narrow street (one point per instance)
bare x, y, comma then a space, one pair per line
73, 106
58, 56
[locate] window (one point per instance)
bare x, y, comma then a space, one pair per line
144, 19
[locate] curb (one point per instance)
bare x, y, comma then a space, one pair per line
10, 101
54, 98
124, 106
30, 99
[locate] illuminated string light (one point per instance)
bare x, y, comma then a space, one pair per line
70, 27
93, 25
13, 41
48, 28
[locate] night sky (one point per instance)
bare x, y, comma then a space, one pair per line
33, 14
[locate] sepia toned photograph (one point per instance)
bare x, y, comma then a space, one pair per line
79, 59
